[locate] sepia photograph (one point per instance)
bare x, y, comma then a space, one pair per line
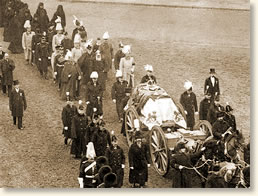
125, 94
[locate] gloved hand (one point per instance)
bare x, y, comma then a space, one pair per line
148, 165
123, 166
39, 59
79, 77
69, 75
180, 167
80, 180
196, 113
49, 57
185, 112
87, 102
131, 167
55, 73
114, 101
65, 128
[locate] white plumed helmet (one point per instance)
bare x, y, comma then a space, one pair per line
188, 84
90, 151
68, 55
126, 49
148, 68
94, 74
106, 35
119, 73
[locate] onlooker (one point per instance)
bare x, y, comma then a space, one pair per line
211, 84
204, 107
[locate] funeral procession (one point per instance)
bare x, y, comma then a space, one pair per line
125, 94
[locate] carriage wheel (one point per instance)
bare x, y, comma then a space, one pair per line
159, 150
181, 110
204, 126
130, 116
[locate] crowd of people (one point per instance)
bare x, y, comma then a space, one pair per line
76, 63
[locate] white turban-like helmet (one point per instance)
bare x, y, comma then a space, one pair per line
188, 84
59, 26
148, 68
90, 151
94, 74
68, 55
119, 73
27, 24
106, 35
126, 49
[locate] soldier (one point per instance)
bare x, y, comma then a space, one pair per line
139, 161
119, 54
220, 126
230, 118
101, 139
189, 103
215, 107
44, 56
116, 160
17, 104
78, 132
27, 42
96, 46
59, 65
69, 111
7, 66
204, 107
94, 93
106, 50
67, 43
149, 78
211, 84
124, 103
118, 93
34, 46
88, 169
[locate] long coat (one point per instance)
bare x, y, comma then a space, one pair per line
189, 104
43, 19
119, 54
8, 16
116, 158
7, 67
67, 115
85, 63
213, 111
101, 140
17, 103
218, 128
204, 107
106, 49
138, 158
185, 178
78, 134
43, 55
209, 88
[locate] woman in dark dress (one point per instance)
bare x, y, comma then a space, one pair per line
59, 12
43, 17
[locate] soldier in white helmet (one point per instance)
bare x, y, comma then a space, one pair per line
118, 94
26, 41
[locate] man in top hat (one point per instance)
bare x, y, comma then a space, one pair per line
116, 160
204, 107
88, 169
139, 161
69, 111
27, 41
118, 93
189, 103
149, 78
101, 139
119, 54
211, 84
93, 94
214, 108
106, 50
230, 118
44, 56
78, 132
17, 104
7, 66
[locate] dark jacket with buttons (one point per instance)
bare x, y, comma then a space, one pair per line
101, 140
115, 157
67, 115
17, 103
118, 90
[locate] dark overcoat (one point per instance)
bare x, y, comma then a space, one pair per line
85, 63
119, 54
7, 67
101, 140
67, 115
213, 111
209, 88
204, 108
44, 55
106, 49
189, 104
218, 128
17, 103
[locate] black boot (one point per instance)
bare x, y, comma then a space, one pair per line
65, 141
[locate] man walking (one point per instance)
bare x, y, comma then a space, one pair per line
17, 104
211, 84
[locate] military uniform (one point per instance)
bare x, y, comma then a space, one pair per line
189, 104
44, 58
17, 104
213, 111
85, 62
34, 47
87, 172
101, 68
218, 128
78, 134
116, 158
58, 68
119, 54
7, 67
118, 93
101, 140
106, 50
67, 115
92, 92
204, 107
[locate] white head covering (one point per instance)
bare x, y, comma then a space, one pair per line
188, 84
119, 73
94, 74
59, 26
77, 38
68, 55
90, 151
148, 67
27, 24
126, 49
106, 35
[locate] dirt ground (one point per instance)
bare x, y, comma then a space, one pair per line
180, 44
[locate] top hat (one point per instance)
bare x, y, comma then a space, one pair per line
229, 108
212, 71
15, 82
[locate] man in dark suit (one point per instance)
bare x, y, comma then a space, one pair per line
204, 107
7, 66
211, 84
17, 104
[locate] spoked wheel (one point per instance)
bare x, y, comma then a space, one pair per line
181, 110
205, 127
130, 116
159, 150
